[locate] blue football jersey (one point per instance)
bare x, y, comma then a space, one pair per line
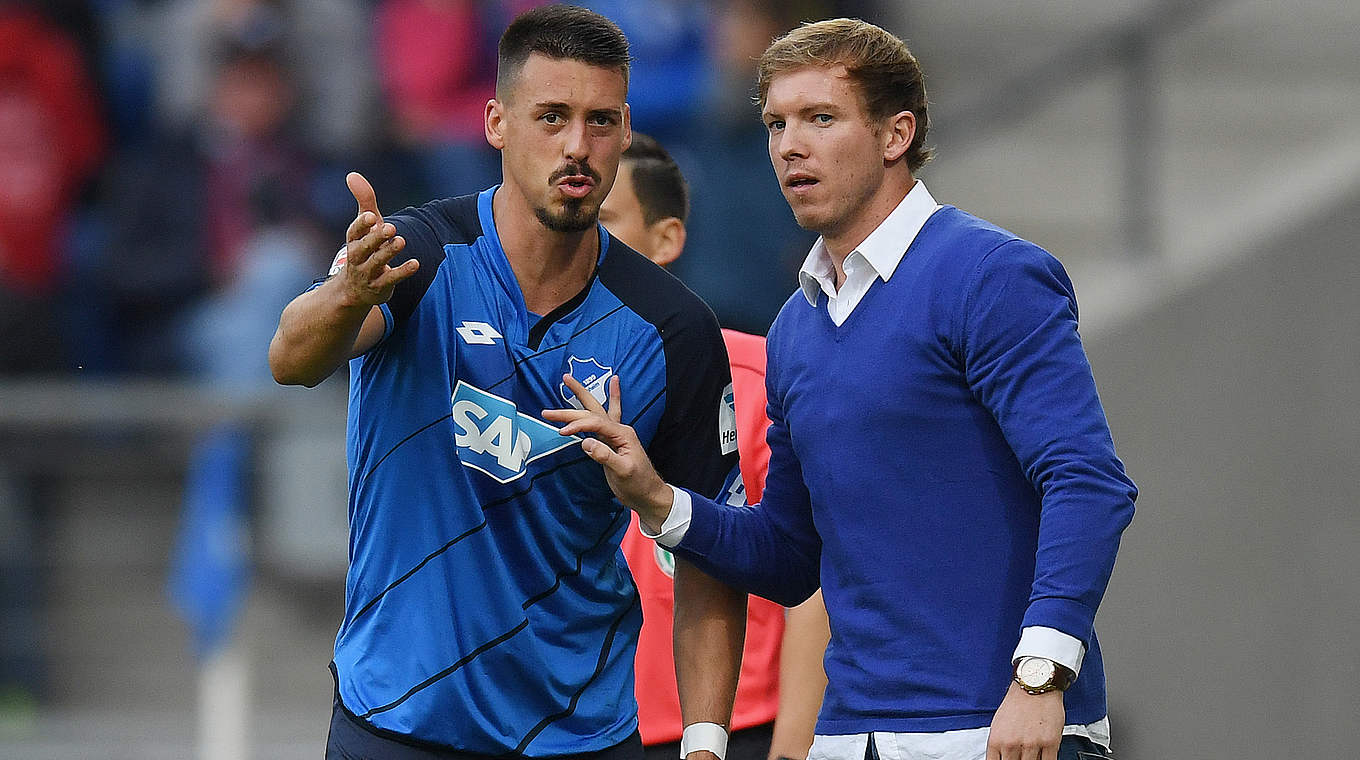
488, 607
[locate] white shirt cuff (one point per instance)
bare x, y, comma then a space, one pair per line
677, 522
1051, 644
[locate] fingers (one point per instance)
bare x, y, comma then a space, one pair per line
1021, 750
384, 252
396, 274
370, 238
362, 192
582, 422
598, 451
615, 399
588, 401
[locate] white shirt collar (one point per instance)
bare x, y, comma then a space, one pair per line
883, 249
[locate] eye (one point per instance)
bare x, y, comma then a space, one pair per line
822, 118
552, 118
602, 120
774, 125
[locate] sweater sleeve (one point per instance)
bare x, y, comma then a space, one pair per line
1024, 361
770, 549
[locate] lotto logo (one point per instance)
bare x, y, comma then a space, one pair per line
495, 438
478, 333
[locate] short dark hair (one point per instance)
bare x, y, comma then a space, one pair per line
660, 187
561, 32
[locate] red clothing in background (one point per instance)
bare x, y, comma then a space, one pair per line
51, 142
653, 569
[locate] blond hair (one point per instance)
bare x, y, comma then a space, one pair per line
887, 75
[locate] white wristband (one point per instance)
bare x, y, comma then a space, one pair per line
704, 736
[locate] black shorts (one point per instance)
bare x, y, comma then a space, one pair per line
352, 739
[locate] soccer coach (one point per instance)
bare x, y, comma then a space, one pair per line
940, 462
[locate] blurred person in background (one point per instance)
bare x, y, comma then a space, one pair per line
673, 63
488, 609
323, 43
52, 137
940, 463
213, 225
781, 681
730, 176
435, 63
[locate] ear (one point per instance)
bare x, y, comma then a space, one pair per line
901, 130
668, 240
627, 126
495, 124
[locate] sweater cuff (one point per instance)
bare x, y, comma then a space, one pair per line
676, 524
699, 533
1067, 615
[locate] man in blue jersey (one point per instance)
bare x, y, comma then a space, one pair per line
940, 462
489, 611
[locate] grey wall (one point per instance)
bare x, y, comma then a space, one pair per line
1232, 625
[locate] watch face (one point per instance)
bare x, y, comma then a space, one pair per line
1034, 672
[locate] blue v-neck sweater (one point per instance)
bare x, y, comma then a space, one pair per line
941, 467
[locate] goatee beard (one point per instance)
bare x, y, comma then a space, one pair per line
573, 218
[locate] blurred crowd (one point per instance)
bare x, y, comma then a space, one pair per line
172, 171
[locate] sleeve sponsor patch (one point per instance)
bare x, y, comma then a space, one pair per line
338, 262
727, 421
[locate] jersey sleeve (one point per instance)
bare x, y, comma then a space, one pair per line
423, 243
695, 445
772, 550
419, 227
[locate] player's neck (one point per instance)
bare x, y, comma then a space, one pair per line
550, 266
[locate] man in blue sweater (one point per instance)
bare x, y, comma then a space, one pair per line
940, 462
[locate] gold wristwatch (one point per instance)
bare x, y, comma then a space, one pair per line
1040, 675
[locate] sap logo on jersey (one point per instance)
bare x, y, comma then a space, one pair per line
590, 373
497, 439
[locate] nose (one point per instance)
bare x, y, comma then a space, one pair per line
576, 147
789, 144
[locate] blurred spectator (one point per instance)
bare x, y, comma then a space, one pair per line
51, 143
745, 246
672, 47
221, 212
437, 66
326, 47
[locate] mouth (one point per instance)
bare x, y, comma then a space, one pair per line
575, 180
800, 182
576, 185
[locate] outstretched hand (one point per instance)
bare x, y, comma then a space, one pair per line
370, 244
617, 447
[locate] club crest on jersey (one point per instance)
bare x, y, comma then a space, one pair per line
727, 420
590, 373
495, 438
